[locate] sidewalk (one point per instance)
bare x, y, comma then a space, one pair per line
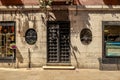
40, 74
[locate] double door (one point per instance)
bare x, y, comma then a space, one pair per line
58, 42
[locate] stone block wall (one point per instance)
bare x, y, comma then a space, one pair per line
87, 56
24, 21
82, 56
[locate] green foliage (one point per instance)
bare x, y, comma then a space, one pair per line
45, 3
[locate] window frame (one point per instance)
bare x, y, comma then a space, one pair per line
107, 23
26, 35
81, 35
13, 58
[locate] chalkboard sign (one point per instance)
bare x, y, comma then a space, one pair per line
31, 36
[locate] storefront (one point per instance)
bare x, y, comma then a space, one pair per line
7, 40
69, 35
111, 43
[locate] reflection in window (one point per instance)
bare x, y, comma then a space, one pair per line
86, 36
112, 40
7, 40
112, 33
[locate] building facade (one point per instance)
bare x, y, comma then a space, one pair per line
77, 33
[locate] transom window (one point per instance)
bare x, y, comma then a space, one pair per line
7, 40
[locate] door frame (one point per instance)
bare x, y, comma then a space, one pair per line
58, 63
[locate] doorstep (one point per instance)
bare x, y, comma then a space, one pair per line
59, 67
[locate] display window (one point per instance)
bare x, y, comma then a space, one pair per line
112, 39
7, 40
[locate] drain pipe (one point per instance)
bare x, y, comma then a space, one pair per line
29, 57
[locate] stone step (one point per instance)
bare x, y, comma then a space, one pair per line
110, 66
59, 67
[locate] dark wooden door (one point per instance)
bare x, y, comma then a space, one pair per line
58, 42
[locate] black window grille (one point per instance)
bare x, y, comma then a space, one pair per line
58, 42
31, 36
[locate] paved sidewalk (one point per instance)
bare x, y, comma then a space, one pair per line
40, 74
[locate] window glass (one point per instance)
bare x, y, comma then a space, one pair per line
7, 39
86, 36
31, 36
112, 40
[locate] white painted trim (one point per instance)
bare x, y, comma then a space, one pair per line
95, 7
63, 7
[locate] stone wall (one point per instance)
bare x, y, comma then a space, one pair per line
82, 56
87, 56
25, 20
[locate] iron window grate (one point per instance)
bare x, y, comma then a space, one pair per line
58, 43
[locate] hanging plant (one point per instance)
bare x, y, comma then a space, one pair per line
45, 3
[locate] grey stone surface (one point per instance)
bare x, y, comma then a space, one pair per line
40, 74
82, 56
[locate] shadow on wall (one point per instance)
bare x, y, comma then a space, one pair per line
63, 15
11, 2
59, 15
75, 50
111, 2
23, 27
24, 21
19, 56
80, 20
